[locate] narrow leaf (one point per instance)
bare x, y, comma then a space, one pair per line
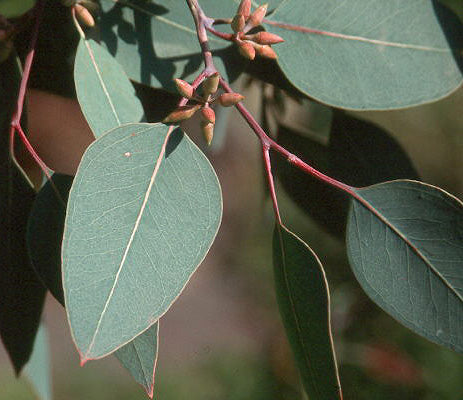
38, 370
105, 94
364, 54
405, 246
143, 211
44, 235
303, 298
21, 293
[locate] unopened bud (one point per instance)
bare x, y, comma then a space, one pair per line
256, 18
211, 84
184, 88
265, 38
208, 131
238, 23
266, 51
208, 115
244, 8
181, 113
230, 99
247, 50
84, 16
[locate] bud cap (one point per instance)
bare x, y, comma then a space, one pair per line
181, 113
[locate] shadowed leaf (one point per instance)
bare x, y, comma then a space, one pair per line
303, 298
359, 153
21, 293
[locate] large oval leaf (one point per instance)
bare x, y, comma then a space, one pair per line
303, 297
141, 217
44, 236
364, 54
105, 94
405, 246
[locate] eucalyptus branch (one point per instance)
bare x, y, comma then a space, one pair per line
15, 125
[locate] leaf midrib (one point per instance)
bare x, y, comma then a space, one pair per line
132, 236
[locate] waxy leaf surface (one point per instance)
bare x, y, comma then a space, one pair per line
141, 218
303, 298
38, 369
21, 293
369, 54
406, 250
44, 236
105, 94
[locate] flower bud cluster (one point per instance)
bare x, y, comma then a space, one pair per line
258, 43
202, 102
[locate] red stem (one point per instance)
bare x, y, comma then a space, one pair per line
293, 159
16, 119
271, 183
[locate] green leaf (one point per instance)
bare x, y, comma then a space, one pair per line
157, 43
15, 8
143, 211
303, 298
21, 293
363, 54
105, 94
44, 236
405, 246
38, 370
140, 357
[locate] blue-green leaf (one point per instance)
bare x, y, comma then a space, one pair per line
405, 246
143, 211
369, 54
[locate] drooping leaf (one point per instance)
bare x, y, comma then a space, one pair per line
15, 8
38, 370
363, 54
359, 153
44, 235
405, 246
143, 211
140, 357
105, 94
156, 43
21, 293
303, 298
45, 232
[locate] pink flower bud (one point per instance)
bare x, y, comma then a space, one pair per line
230, 99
